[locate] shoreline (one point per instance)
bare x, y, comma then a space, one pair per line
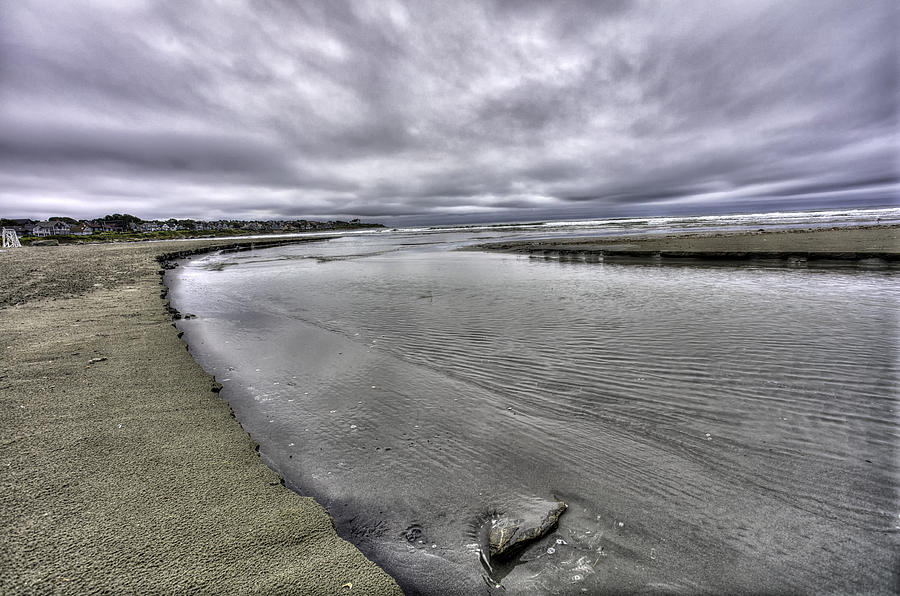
864, 245
339, 369
124, 470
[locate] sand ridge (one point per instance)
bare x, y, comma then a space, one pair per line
839, 243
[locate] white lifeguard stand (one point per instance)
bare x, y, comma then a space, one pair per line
10, 239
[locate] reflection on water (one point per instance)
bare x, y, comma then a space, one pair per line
712, 429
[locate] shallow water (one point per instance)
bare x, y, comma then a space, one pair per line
713, 429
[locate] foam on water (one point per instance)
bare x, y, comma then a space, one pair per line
884, 215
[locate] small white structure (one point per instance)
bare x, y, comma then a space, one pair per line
10, 239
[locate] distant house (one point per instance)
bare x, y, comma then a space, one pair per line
50, 228
81, 229
22, 227
100, 225
110, 225
42, 229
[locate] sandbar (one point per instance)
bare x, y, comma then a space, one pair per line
869, 244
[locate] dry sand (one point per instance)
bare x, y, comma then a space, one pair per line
130, 474
838, 244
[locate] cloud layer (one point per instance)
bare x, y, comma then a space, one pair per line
437, 111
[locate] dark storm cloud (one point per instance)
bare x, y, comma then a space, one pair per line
404, 110
217, 154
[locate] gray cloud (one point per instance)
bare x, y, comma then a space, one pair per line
425, 111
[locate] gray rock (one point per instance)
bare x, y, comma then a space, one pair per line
508, 536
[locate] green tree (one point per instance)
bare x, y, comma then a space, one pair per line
123, 217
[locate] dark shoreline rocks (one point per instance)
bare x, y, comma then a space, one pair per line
508, 537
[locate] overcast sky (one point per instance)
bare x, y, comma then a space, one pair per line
438, 111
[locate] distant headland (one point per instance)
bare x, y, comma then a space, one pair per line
125, 227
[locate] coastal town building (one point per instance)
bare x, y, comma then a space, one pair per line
50, 228
129, 224
81, 230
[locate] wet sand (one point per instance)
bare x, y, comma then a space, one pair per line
832, 244
722, 430
122, 470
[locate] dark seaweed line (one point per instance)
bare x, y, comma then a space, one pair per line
236, 247
843, 257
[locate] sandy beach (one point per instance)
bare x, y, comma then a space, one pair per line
123, 470
831, 244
